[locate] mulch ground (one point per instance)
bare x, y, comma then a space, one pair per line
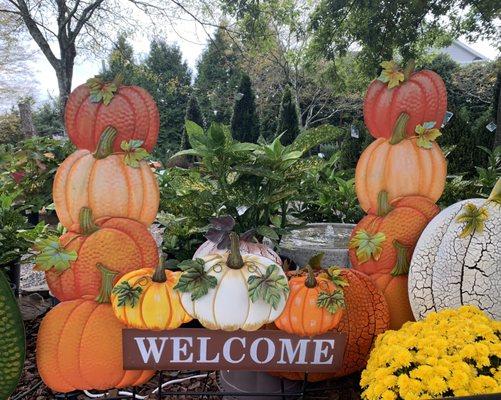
31, 386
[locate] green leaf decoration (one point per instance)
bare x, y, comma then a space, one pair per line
134, 153
334, 274
267, 231
269, 287
474, 218
100, 91
195, 279
391, 74
315, 262
427, 134
127, 295
367, 245
331, 301
53, 256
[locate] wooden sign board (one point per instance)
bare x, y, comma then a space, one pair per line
202, 349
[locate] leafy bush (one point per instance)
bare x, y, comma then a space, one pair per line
28, 168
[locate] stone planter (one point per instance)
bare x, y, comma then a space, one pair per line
256, 382
330, 238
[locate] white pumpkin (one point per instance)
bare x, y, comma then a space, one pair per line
457, 259
238, 295
210, 247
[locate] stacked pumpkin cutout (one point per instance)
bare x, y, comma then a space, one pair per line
106, 196
398, 178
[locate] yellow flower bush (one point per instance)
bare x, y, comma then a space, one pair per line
449, 353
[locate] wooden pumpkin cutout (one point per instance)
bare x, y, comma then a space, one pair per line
70, 261
79, 345
146, 299
233, 291
112, 185
421, 95
95, 105
401, 166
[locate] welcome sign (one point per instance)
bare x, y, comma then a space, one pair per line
263, 350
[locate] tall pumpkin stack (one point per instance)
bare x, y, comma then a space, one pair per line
398, 178
106, 196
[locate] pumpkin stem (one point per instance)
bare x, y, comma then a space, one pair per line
383, 205
495, 195
310, 281
105, 146
86, 222
235, 260
107, 278
409, 69
402, 265
399, 129
159, 274
119, 78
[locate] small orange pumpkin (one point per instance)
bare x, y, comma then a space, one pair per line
401, 167
79, 345
365, 316
106, 183
120, 243
315, 305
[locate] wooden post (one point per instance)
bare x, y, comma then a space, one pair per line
27, 127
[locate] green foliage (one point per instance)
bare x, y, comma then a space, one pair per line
10, 128
193, 113
47, 118
254, 183
218, 77
351, 148
28, 168
407, 28
244, 120
288, 118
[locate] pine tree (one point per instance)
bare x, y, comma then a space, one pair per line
217, 78
288, 118
121, 61
244, 121
167, 78
193, 113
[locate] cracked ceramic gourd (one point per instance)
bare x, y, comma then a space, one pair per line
457, 259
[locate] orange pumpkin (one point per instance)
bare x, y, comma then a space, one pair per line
400, 167
315, 305
119, 243
382, 243
95, 105
79, 345
365, 316
104, 182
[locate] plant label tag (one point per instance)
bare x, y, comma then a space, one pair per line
202, 349
354, 131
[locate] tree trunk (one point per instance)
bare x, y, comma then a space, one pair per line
64, 75
27, 127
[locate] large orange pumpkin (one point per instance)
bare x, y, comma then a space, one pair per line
121, 244
79, 345
95, 105
422, 95
105, 183
381, 246
400, 167
315, 305
366, 316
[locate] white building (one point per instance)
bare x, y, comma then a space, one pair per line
462, 53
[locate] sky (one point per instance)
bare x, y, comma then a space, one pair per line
189, 36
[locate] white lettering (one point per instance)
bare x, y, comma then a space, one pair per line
320, 351
269, 355
153, 349
203, 351
179, 350
227, 350
292, 353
